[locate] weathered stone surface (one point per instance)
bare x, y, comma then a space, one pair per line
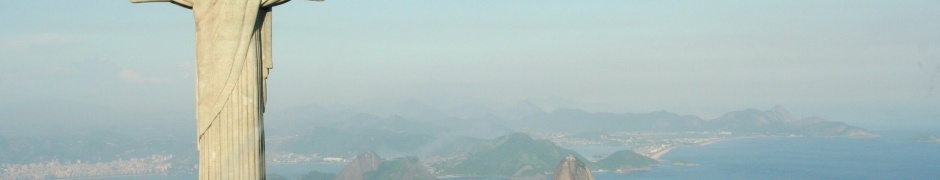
233, 55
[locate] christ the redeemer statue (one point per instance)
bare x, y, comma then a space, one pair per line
233, 56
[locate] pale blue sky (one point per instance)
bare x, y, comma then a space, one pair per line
818, 58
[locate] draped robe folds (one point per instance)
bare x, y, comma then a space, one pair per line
233, 56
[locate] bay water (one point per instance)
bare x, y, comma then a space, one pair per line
888, 157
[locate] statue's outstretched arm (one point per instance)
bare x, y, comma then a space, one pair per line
184, 3
272, 3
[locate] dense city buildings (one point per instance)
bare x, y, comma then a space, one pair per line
153, 165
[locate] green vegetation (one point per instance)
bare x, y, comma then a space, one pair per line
513, 155
624, 160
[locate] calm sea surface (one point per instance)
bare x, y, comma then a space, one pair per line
800, 158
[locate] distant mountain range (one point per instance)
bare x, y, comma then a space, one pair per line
470, 130
779, 120
426, 131
471, 118
776, 120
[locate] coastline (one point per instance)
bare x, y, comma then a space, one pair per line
728, 139
661, 153
867, 159
706, 143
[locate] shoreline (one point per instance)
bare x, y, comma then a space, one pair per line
735, 138
659, 154
706, 143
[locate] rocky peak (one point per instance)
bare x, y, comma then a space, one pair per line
363, 163
572, 169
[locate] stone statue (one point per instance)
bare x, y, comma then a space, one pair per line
233, 56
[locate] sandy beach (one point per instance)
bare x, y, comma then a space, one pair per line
727, 139
706, 143
661, 153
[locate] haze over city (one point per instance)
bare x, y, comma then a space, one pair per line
72, 67
701, 58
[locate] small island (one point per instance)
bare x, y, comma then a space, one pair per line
625, 161
927, 138
683, 163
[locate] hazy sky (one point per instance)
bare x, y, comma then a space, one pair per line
695, 57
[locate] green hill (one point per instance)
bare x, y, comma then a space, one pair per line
513, 155
624, 161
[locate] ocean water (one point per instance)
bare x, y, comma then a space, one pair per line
799, 158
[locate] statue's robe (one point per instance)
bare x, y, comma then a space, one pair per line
233, 55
